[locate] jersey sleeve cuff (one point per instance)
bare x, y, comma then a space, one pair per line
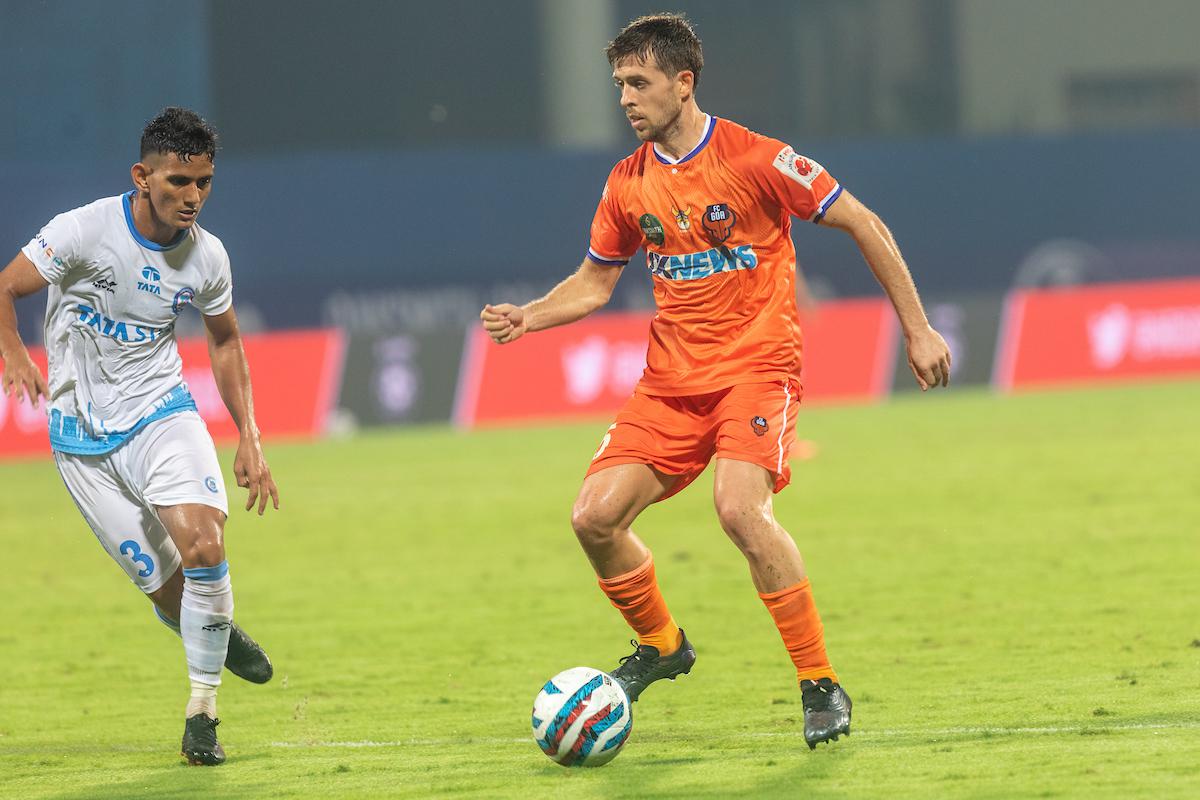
833, 195
218, 309
606, 261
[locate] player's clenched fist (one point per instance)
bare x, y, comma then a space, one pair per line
929, 359
504, 323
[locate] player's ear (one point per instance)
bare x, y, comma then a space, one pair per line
140, 172
686, 81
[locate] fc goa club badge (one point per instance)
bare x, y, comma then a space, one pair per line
758, 425
719, 220
652, 228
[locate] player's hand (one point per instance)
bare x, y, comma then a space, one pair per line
23, 378
251, 470
929, 359
504, 323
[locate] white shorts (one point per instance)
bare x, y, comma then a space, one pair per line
167, 463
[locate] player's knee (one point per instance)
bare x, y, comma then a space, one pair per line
206, 545
592, 524
204, 551
746, 523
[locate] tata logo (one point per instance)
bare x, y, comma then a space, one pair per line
150, 284
693, 266
115, 329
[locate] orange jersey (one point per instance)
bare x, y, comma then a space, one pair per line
716, 228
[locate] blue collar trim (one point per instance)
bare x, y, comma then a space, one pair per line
127, 204
710, 123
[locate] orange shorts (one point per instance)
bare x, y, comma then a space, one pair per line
679, 435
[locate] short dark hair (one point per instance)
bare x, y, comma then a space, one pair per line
180, 131
667, 37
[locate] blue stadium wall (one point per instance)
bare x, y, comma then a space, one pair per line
302, 226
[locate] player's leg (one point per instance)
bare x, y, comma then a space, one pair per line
756, 435
245, 658
205, 617
173, 465
645, 456
608, 503
742, 492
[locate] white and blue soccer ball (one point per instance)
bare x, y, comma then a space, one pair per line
582, 718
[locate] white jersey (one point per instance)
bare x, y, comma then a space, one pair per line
110, 320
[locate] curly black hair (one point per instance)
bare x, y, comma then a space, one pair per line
668, 37
180, 131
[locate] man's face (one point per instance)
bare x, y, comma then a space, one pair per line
177, 188
652, 101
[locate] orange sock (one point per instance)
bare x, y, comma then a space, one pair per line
799, 624
635, 594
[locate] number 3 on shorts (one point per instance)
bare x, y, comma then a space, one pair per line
604, 442
130, 548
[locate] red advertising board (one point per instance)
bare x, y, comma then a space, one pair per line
1110, 332
295, 378
589, 368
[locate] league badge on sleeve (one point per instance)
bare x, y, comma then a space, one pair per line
800, 169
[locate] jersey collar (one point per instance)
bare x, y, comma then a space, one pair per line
127, 204
709, 124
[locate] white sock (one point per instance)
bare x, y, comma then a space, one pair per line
202, 701
205, 615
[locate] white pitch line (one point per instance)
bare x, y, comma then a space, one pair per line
867, 734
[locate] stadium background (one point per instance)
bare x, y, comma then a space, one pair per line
1018, 567
389, 167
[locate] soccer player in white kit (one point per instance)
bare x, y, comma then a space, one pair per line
129, 444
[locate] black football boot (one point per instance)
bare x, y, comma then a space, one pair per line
200, 746
826, 711
645, 666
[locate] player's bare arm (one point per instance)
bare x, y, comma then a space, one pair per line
928, 355
21, 375
232, 375
585, 291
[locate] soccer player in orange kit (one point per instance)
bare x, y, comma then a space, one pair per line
711, 203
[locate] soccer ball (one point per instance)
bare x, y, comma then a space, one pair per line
581, 718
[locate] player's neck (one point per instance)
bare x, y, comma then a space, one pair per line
683, 137
148, 225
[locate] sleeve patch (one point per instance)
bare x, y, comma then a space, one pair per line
795, 166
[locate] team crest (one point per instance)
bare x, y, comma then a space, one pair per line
652, 228
183, 299
758, 425
683, 220
719, 220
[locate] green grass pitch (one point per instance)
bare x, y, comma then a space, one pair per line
1009, 588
